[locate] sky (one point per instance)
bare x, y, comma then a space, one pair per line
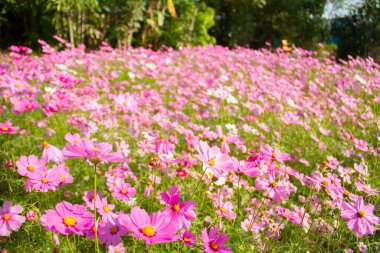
339, 10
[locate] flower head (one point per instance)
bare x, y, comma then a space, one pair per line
156, 228
360, 217
213, 243
10, 220
68, 218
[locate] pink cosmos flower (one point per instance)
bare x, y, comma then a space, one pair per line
64, 174
95, 152
52, 153
111, 233
7, 128
45, 181
29, 165
10, 220
225, 209
68, 218
274, 153
213, 243
365, 188
116, 249
123, 191
224, 147
212, 158
152, 229
105, 210
181, 213
360, 217
188, 238
31, 216
274, 189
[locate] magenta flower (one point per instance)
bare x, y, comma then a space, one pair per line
212, 158
156, 228
274, 189
105, 210
181, 213
10, 220
225, 210
27, 166
45, 181
95, 152
188, 238
111, 233
274, 153
213, 243
116, 249
224, 147
7, 128
360, 217
52, 153
68, 218
123, 191
31, 216
63, 173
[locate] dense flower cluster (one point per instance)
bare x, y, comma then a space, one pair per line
184, 147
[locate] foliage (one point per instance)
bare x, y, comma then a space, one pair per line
358, 34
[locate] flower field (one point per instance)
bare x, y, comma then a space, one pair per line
205, 149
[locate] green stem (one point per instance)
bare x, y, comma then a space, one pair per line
238, 194
199, 182
257, 213
68, 243
95, 211
304, 206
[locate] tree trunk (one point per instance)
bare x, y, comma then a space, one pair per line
71, 32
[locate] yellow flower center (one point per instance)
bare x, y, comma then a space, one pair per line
45, 144
123, 191
361, 214
63, 177
275, 154
76, 141
6, 217
223, 209
223, 139
325, 183
211, 162
44, 180
176, 207
29, 107
117, 251
148, 230
214, 245
125, 104
4, 128
59, 105
95, 149
30, 168
347, 193
106, 209
69, 221
186, 239
114, 230
273, 184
